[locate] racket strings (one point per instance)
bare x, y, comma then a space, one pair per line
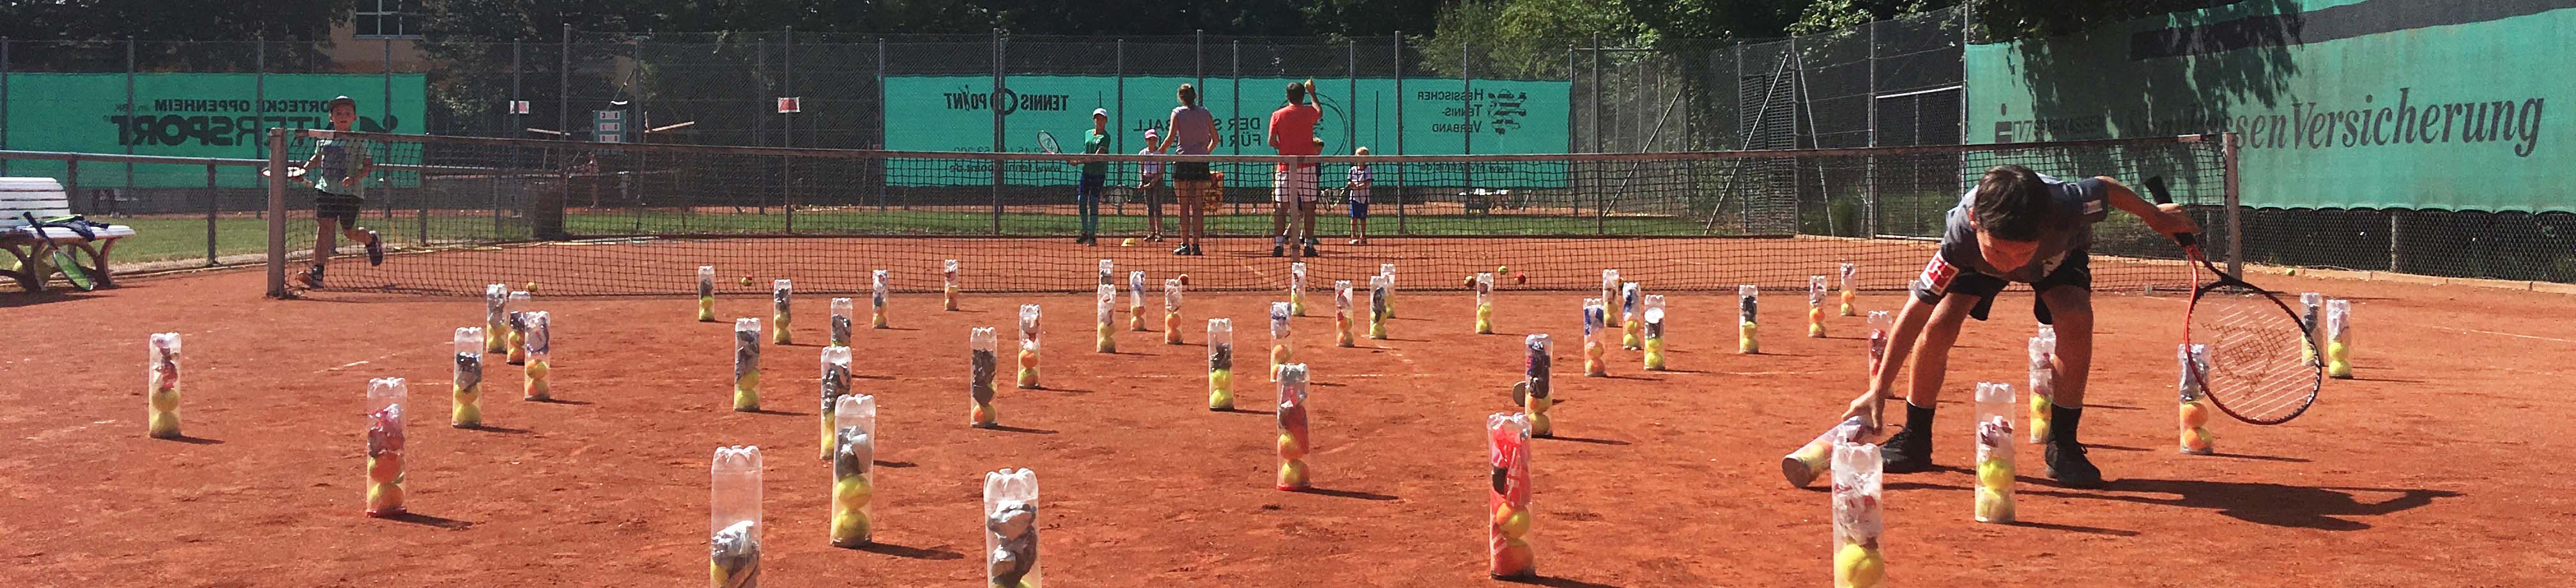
2261, 364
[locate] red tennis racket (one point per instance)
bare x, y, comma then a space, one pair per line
2263, 364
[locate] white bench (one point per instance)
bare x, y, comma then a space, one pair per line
34, 247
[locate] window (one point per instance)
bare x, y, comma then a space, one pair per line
380, 19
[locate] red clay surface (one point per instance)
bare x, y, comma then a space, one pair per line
2428, 470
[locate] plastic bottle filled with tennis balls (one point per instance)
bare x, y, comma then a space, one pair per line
2194, 402
835, 383
880, 286
1632, 324
1596, 334
1294, 437
1994, 495
1816, 306
1610, 287
1881, 326
1858, 517
161, 392
983, 366
1011, 529
853, 457
2043, 381
1747, 330
948, 285
1850, 275
1172, 289
1538, 394
2311, 305
1104, 305
1381, 295
1297, 288
1344, 310
746, 364
1136, 301
1108, 272
706, 293
541, 346
1484, 303
1653, 317
842, 308
781, 291
1812, 460
1220, 344
733, 518
519, 329
2339, 338
1282, 349
496, 318
387, 399
1508, 537
467, 393
1029, 315
1388, 270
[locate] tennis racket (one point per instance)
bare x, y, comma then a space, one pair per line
2263, 368
1046, 143
72, 271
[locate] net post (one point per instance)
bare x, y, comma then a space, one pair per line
2235, 209
996, 190
1398, 57
213, 201
545, 210
276, 179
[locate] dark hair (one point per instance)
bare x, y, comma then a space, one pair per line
2010, 202
1296, 93
1189, 95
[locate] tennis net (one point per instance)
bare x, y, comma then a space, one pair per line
625, 219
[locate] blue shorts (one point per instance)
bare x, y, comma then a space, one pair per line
1359, 210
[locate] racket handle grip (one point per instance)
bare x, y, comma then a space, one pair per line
2156, 189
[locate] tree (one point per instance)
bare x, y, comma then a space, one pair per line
184, 35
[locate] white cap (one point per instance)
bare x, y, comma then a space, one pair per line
1100, 112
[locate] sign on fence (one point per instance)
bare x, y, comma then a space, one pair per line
188, 115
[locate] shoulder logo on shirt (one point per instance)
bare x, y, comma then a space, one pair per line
1937, 275
2092, 207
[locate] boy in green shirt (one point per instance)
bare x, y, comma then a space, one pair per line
337, 171
1094, 174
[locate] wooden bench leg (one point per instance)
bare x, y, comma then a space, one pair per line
97, 267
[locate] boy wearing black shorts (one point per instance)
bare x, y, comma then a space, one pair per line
337, 171
2015, 226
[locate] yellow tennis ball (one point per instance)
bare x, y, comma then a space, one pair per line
531, 288
1129, 242
746, 280
1858, 567
852, 492
849, 527
1290, 448
1994, 474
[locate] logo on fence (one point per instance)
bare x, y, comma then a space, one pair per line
1005, 100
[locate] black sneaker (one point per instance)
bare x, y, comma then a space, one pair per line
1181, 250
1310, 251
1278, 251
375, 248
312, 277
1906, 452
1197, 250
2066, 464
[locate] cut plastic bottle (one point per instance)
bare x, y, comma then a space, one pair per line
733, 518
1011, 529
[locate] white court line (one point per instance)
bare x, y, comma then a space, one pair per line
2506, 334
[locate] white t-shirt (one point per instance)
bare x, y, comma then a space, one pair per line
1150, 167
1359, 180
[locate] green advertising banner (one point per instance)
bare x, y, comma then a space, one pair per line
2339, 103
188, 115
1439, 117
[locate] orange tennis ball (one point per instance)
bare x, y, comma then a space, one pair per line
1520, 278
1185, 279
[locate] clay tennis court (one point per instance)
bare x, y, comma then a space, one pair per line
2428, 469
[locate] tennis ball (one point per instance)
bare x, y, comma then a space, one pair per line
1292, 474
383, 499
982, 414
1655, 360
746, 280
1858, 567
1520, 278
1512, 523
1290, 448
1129, 242
164, 401
2197, 440
1994, 474
1993, 506
1220, 399
2194, 416
1470, 282
852, 492
1029, 377
531, 288
1514, 558
1185, 279
384, 469
849, 528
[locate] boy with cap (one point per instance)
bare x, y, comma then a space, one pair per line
1094, 174
337, 170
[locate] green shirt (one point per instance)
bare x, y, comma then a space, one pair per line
1094, 142
334, 159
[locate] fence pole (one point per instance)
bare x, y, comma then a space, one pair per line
1400, 183
787, 128
1869, 185
128, 140
880, 165
1234, 115
517, 55
276, 214
995, 101
4, 102
563, 87
258, 93
2235, 212
212, 203
1118, 72
1351, 96
761, 93
1467, 112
